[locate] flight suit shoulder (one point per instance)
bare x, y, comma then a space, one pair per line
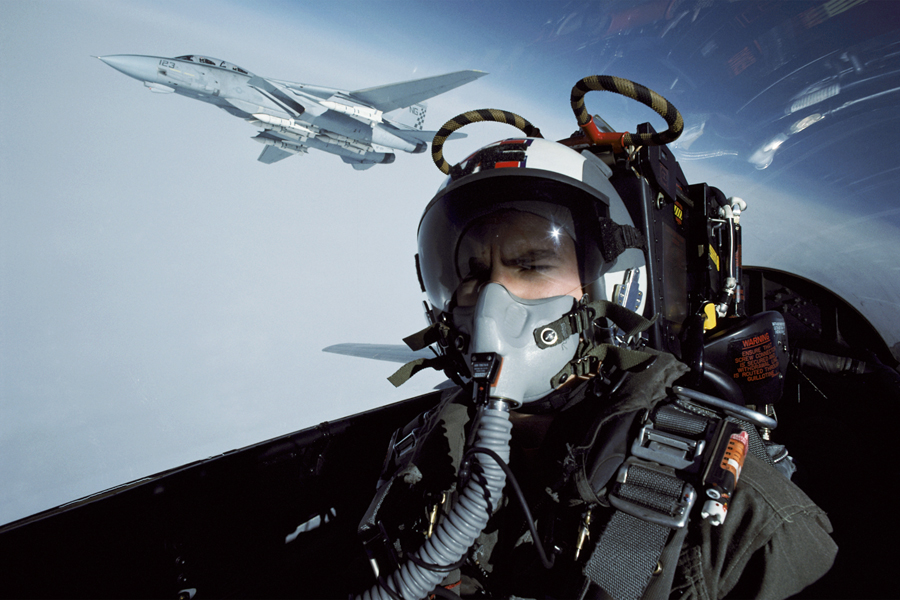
774, 542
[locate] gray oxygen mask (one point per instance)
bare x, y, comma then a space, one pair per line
505, 324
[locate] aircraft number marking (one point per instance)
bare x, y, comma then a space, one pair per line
167, 63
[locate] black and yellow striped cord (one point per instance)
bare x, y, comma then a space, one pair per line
633, 90
476, 116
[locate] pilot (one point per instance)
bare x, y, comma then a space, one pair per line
523, 481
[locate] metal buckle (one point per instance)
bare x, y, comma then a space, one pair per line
677, 521
666, 448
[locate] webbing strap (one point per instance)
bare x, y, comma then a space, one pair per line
756, 445
616, 239
403, 374
584, 315
651, 502
671, 419
422, 339
627, 554
589, 356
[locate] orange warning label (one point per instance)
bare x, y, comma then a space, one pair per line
756, 359
733, 459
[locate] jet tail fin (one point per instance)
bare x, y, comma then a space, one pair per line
397, 353
271, 154
416, 136
411, 116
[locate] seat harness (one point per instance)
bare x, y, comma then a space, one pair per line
687, 448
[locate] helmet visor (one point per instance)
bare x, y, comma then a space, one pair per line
538, 238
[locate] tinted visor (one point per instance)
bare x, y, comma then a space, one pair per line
537, 237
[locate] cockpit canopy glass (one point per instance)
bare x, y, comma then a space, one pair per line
214, 62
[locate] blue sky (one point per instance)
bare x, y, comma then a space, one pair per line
164, 297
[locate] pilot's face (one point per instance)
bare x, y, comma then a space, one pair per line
527, 254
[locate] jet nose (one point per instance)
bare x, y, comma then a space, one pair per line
142, 68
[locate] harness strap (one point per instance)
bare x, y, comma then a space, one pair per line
757, 446
650, 503
626, 556
652, 500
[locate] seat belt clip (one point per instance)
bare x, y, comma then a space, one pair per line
667, 448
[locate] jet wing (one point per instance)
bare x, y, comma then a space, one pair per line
417, 135
387, 352
285, 97
271, 154
400, 95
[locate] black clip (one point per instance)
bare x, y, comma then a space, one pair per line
667, 448
485, 368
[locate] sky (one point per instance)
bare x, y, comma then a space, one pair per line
165, 298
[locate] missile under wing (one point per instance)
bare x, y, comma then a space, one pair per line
364, 127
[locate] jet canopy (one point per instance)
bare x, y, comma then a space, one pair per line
213, 62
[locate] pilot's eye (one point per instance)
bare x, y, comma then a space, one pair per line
528, 265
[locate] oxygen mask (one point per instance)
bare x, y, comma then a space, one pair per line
518, 272
506, 325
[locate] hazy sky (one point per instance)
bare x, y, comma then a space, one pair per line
164, 297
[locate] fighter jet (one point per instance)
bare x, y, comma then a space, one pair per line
363, 127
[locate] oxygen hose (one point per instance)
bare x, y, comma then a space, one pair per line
467, 519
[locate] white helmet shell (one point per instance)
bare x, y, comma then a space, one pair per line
514, 172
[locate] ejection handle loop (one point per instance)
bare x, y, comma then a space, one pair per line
476, 116
636, 91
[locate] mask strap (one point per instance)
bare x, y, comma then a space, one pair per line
439, 333
589, 354
583, 317
616, 239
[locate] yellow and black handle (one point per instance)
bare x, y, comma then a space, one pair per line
476, 116
635, 91
593, 135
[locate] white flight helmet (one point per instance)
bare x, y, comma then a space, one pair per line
527, 204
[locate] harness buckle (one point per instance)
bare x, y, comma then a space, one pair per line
652, 495
667, 448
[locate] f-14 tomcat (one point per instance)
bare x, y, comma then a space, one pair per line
363, 127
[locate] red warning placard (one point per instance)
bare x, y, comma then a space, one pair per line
755, 358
